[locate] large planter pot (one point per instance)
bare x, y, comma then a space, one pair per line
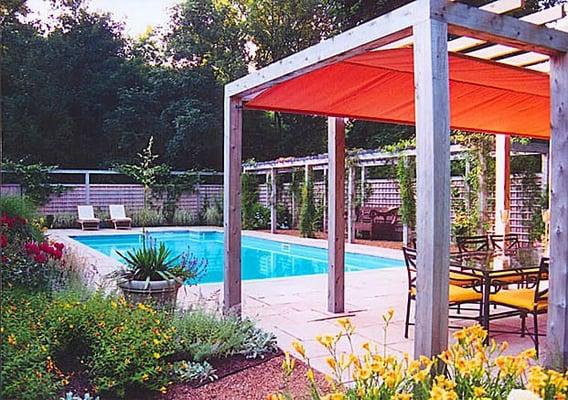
162, 294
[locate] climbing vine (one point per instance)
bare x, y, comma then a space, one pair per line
406, 175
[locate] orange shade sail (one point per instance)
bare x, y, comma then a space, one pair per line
379, 86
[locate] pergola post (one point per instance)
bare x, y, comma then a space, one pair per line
433, 185
351, 205
273, 215
87, 188
544, 175
363, 177
502, 184
324, 199
232, 205
336, 209
557, 338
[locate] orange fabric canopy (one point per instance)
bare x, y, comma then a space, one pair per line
379, 85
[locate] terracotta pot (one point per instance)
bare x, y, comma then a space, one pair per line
162, 294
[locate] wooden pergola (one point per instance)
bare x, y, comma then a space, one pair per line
505, 46
365, 159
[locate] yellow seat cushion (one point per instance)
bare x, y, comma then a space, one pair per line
522, 299
459, 279
458, 294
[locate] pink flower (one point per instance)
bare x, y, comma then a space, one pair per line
59, 246
3, 241
31, 248
40, 258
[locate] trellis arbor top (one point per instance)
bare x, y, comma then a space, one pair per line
501, 75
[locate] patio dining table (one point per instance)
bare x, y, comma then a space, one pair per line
522, 269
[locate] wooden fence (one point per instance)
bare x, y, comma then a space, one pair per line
377, 192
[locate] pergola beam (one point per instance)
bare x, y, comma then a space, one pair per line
431, 77
497, 7
539, 18
471, 21
557, 339
377, 32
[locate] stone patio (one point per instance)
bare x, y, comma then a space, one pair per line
295, 308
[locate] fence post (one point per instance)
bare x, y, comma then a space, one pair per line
87, 188
198, 195
272, 196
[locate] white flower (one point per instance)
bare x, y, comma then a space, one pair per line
518, 394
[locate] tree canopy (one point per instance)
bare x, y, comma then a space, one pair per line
79, 93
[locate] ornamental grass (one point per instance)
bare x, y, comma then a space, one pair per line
471, 369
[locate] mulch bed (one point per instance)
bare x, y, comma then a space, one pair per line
238, 378
253, 383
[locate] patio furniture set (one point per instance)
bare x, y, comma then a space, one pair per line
377, 223
118, 217
492, 270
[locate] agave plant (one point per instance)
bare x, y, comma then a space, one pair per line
155, 262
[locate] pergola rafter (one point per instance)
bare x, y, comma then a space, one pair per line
429, 21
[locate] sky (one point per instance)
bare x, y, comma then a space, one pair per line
136, 15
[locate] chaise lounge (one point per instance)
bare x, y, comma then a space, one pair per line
118, 217
87, 218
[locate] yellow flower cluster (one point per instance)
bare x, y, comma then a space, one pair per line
472, 368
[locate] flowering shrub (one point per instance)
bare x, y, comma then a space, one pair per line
121, 347
28, 259
469, 369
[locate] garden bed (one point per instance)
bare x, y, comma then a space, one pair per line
254, 382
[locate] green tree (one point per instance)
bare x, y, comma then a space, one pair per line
209, 33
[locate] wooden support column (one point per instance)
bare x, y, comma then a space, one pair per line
232, 205
324, 199
432, 185
273, 215
502, 184
351, 205
336, 210
557, 349
545, 176
87, 188
363, 177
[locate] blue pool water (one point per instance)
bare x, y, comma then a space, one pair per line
261, 258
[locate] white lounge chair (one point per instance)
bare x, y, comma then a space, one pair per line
87, 218
118, 217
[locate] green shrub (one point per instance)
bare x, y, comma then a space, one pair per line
27, 371
308, 210
184, 218
283, 217
64, 221
126, 346
212, 214
201, 335
147, 218
201, 372
23, 208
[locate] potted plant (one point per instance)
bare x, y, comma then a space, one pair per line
152, 273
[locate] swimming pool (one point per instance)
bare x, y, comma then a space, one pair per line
261, 258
